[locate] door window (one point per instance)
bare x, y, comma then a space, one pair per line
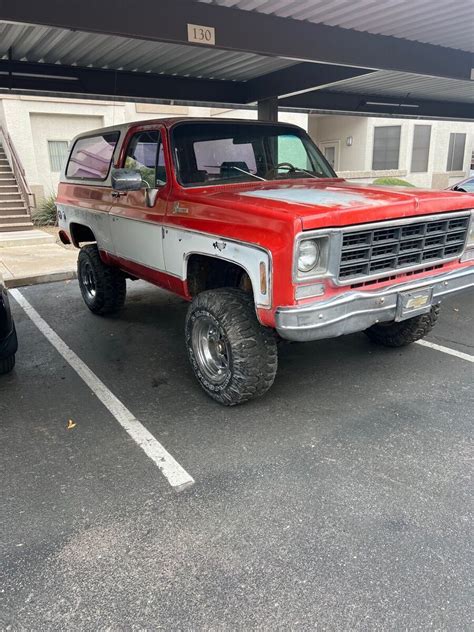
145, 154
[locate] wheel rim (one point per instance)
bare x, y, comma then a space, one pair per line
88, 280
211, 349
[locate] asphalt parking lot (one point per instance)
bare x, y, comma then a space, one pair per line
339, 501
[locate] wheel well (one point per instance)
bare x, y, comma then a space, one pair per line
209, 273
80, 234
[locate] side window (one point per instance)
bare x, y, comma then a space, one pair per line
145, 154
91, 157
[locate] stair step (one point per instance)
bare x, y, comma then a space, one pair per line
7, 201
8, 188
19, 226
13, 219
9, 195
12, 209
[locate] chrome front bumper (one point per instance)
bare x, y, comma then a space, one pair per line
355, 310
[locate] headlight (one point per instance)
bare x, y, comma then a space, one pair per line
308, 255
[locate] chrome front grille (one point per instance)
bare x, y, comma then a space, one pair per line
383, 249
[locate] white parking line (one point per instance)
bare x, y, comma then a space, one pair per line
170, 468
453, 352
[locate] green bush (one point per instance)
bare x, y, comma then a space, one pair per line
393, 182
46, 214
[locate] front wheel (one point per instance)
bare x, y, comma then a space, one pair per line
103, 287
400, 334
7, 364
233, 357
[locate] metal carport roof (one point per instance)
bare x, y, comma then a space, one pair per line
386, 56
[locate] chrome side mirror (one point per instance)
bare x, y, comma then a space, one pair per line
126, 180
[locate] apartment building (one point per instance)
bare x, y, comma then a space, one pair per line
432, 154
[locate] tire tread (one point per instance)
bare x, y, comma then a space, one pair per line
405, 332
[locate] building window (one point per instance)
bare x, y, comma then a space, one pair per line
57, 150
386, 147
457, 144
421, 148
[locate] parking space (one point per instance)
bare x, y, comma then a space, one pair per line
340, 500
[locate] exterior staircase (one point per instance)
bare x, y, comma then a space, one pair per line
14, 210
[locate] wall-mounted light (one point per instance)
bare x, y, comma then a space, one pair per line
349, 140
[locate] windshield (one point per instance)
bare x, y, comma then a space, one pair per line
221, 153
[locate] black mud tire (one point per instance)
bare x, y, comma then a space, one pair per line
400, 334
251, 348
7, 364
110, 288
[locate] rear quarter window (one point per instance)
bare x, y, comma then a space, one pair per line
91, 157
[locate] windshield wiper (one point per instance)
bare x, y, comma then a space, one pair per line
308, 173
247, 173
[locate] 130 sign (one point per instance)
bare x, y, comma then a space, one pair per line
201, 34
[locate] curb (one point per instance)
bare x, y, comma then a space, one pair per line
65, 275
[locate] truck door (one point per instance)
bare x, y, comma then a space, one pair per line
136, 217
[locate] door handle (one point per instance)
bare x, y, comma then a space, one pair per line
117, 194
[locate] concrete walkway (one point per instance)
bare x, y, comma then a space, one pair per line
34, 256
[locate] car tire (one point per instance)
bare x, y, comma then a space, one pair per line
103, 287
233, 357
7, 364
400, 334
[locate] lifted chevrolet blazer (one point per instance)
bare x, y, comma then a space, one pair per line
250, 224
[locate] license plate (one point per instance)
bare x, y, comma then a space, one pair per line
414, 303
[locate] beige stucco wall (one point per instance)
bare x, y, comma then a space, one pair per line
355, 162
328, 129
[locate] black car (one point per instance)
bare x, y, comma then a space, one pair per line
465, 186
8, 340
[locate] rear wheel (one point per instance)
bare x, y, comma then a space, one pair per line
7, 364
399, 334
233, 357
103, 287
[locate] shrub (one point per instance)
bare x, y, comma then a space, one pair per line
46, 214
393, 182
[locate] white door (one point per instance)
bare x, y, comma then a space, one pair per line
331, 153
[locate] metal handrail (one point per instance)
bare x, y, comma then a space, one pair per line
18, 169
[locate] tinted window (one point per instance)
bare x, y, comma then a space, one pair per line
421, 148
141, 155
457, 144
217, 153
91, 157
386, 147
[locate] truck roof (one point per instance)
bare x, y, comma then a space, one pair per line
169, 122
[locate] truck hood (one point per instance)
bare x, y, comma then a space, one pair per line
339, 203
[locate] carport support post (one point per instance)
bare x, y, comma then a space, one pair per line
268, 110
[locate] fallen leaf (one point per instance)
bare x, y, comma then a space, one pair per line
70, 424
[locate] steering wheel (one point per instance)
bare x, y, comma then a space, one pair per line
281, 165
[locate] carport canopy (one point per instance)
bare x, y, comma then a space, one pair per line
390, 57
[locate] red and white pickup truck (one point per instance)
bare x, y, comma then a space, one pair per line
248, 222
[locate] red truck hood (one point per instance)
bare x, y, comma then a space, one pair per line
339, 203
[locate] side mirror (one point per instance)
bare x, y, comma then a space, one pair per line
126, 180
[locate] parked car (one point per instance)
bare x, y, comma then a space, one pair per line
465, 186
8, 339
250, 224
